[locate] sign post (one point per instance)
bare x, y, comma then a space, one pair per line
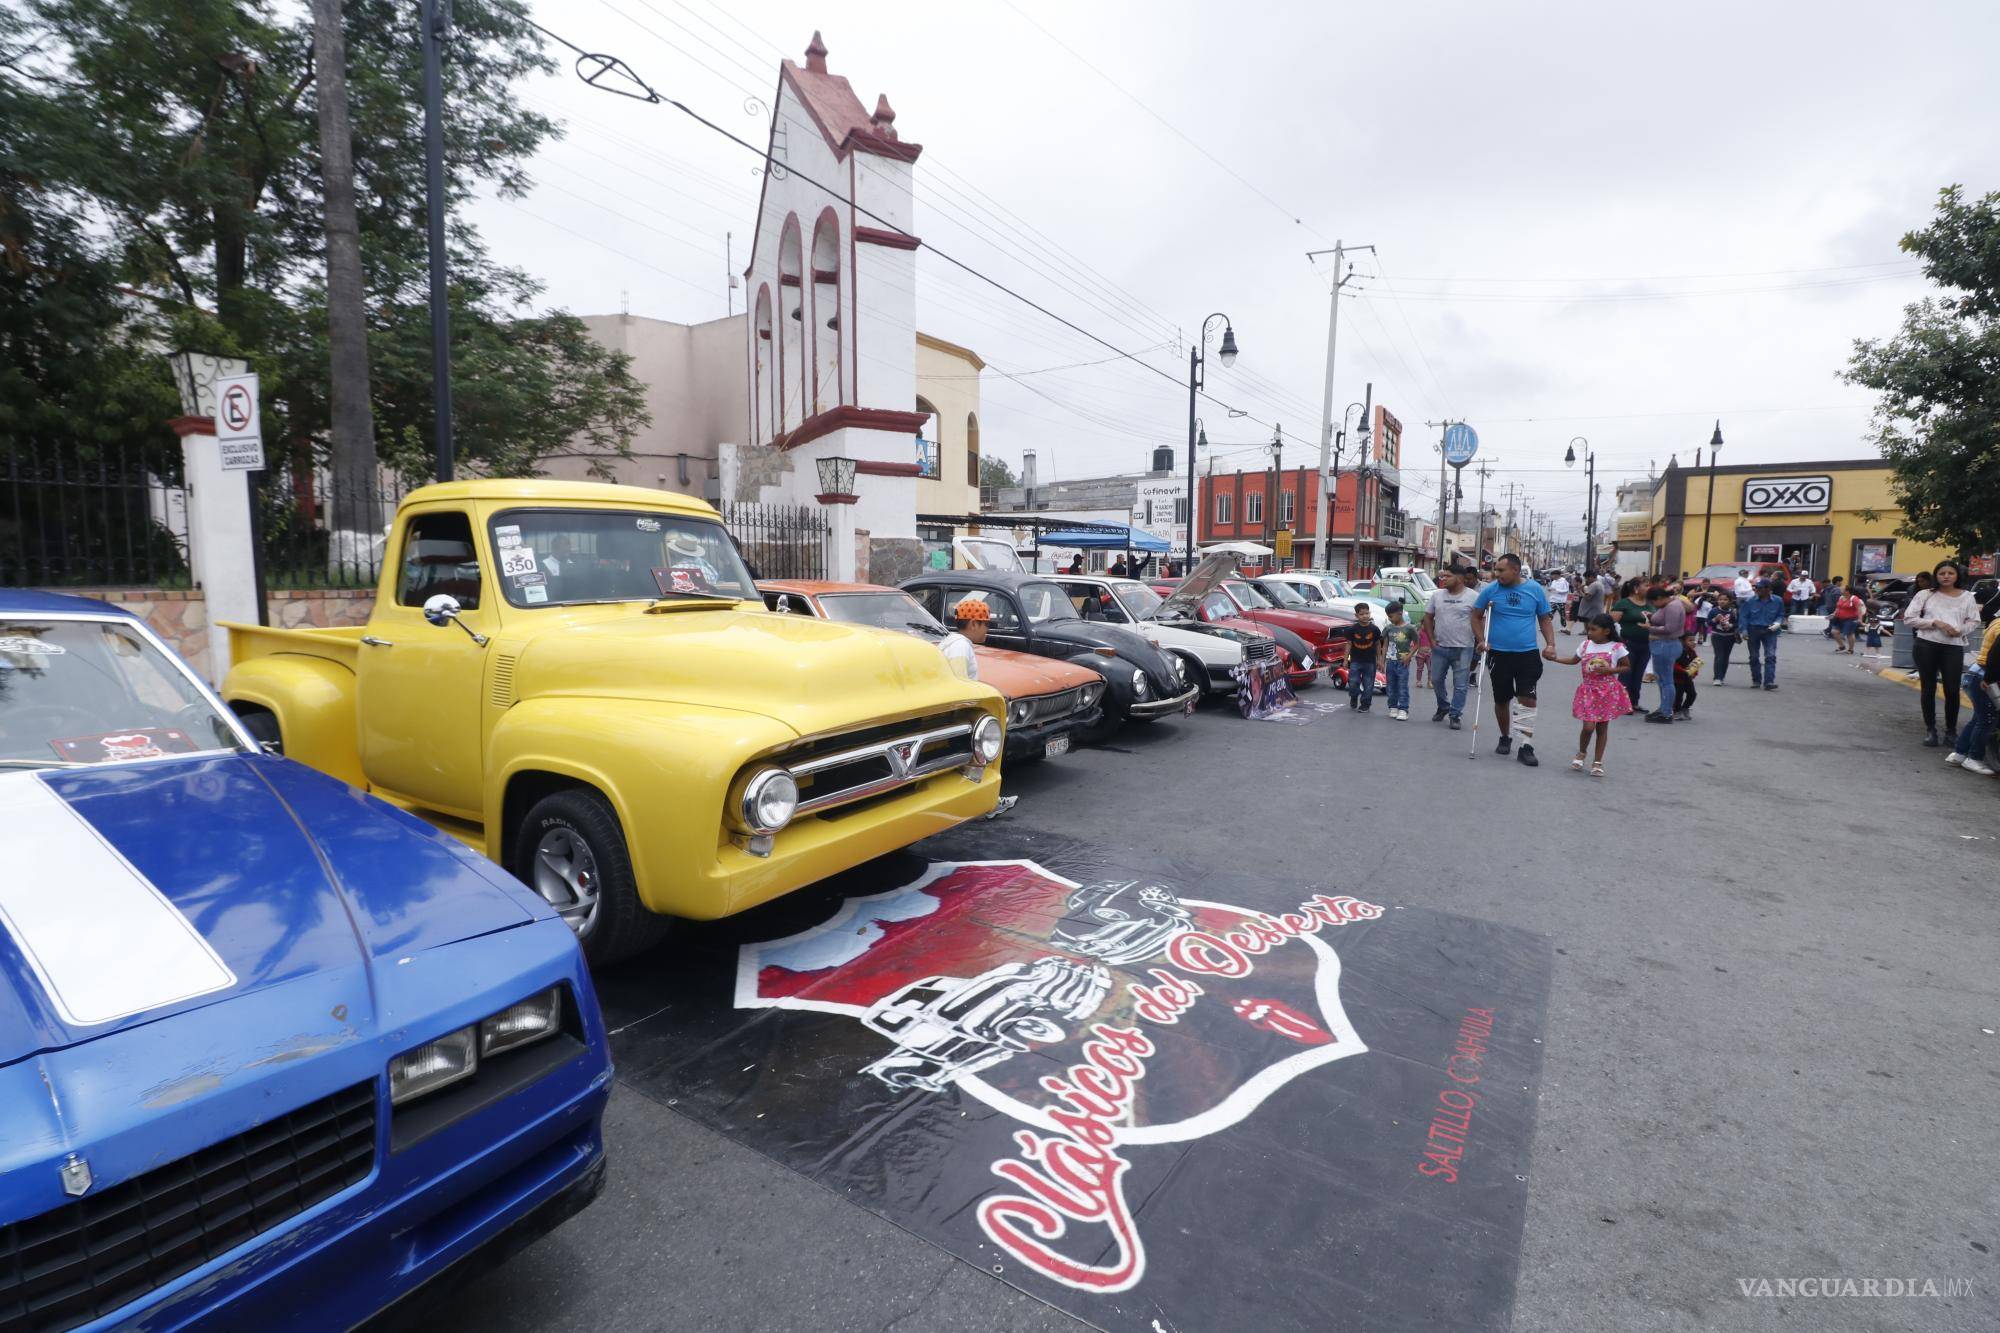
1461, 442
239, 440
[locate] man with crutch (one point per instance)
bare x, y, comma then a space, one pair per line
1508, 617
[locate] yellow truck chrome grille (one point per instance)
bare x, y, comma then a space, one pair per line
832, 774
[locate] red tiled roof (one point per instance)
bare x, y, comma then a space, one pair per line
831, 101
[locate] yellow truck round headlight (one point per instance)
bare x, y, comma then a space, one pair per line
987, 739
769, 800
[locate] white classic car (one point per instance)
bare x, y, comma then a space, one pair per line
1211, 653
1326, 590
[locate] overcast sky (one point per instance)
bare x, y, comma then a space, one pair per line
1599, 220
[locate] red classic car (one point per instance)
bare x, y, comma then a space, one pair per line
1216, 594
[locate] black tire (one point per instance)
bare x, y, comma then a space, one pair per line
263, 728
579, 818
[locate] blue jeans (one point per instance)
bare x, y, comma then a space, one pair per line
1454, 662
1666, 652
1763, 644
1360, 680
1397, 678
1978, 731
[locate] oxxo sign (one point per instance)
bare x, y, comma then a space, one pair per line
1787, 495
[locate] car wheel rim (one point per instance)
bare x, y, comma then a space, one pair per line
566, 877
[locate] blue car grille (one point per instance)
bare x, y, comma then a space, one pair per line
86, 1259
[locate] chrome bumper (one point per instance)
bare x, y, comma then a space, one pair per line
1162, 707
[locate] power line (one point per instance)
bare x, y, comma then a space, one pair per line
592, 67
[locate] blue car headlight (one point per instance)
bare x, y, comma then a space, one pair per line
434, 1065
522, 1024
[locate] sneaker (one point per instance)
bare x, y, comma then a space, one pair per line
1658, 717
1976, 766
1931, 740
1954, 758
1772, 686
1440, 715
1505, 746
1527, 756
1455, 725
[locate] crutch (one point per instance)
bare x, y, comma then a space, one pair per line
1478, 698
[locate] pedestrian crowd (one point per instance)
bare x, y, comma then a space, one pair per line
1658, 629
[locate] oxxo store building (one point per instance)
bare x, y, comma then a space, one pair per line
1835, 518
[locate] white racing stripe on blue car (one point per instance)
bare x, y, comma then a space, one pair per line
102, 940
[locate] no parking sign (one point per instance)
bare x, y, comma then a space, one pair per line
239, 428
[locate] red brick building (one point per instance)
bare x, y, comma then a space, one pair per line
1240, 506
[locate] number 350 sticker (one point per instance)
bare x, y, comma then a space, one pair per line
517, 560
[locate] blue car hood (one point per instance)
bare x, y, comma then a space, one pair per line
155, 888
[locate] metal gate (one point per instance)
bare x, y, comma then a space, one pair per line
781, 541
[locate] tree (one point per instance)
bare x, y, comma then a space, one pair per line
352, 443
995, 472
188, 133
1938, 418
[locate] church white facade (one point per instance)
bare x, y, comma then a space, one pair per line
831, 295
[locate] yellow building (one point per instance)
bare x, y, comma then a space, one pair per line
948, 391
1838, 518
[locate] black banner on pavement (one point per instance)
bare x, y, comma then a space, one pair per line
1155, 1096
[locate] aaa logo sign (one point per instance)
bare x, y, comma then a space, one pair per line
1101, 1017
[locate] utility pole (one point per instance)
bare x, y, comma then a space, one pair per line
354, 520
1361, 477
1277, 481
436, 23
1442, 426
1323, 523
1479, 517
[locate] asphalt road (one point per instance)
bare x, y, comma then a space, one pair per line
1771, 1046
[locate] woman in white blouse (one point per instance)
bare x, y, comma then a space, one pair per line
1943, 617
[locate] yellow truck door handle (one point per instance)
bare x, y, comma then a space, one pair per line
374, 642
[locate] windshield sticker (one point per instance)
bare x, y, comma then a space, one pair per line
22, 646
517, 560
113, 747
649, 525
535, 592
676, 580
507, 536
528, 579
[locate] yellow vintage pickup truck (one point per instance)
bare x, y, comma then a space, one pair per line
581, 681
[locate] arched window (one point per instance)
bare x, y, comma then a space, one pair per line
826, 331
972, 448
932, 459
763, 386
792, 373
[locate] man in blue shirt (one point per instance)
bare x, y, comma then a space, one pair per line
1761, 617
1519, 613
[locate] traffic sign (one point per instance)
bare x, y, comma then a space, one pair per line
1461, 442
239, 427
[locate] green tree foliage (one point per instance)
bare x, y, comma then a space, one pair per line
995, 472
180, 137
1938, 419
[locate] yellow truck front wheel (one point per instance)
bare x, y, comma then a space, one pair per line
570, 849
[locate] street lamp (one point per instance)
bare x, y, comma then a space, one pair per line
1196, 365
1590, 498
1708, 518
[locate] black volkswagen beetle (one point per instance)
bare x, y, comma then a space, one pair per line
1029, 613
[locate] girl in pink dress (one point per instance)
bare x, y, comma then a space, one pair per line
1600, 696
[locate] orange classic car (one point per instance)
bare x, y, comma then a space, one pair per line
1047, 700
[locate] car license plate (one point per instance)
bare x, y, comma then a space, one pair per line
1056, 745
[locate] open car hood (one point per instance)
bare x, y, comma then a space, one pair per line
1186, 600
989, 553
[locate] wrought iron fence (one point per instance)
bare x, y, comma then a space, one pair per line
101, 516
322, 531
781, 541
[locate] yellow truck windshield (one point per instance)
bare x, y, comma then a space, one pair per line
555, 557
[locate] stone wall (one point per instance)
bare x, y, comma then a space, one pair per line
181, 617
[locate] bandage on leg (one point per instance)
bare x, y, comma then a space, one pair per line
1523, 721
